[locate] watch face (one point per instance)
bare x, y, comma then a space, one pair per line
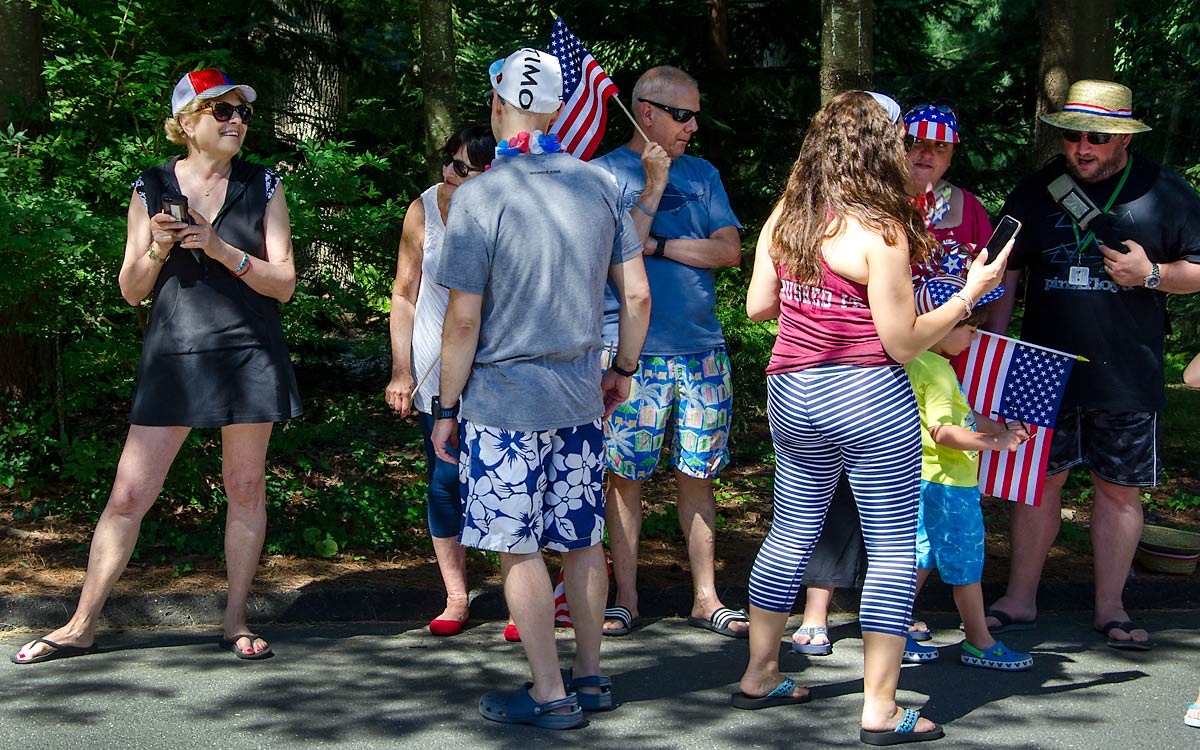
1152, 281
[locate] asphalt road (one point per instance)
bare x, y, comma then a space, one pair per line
393, 685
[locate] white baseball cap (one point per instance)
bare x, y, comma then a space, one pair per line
206, 84
529, 79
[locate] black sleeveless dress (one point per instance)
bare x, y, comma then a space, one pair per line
214, 352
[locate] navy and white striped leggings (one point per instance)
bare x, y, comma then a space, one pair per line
865, 419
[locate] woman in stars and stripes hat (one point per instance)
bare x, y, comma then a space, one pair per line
956, 217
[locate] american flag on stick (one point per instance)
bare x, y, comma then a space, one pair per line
1009, 379
586, 91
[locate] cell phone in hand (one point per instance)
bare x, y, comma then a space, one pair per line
1005, 231
177, 207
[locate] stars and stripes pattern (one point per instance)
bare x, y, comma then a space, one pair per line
931, 123
1009, 379
586, 90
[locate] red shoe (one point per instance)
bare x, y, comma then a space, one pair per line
447, 627
510, 633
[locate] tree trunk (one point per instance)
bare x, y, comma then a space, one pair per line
28, 362
20, 58
721, 82
846, 46
1077, 42
439, 80
310, 101
311, 98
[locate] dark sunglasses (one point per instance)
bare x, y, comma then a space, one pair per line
1096, 139
461, 168
677, 114
223, 112
911, 141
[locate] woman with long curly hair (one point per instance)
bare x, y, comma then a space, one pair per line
833, 265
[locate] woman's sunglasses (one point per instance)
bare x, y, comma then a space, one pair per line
1096, 139
223, 112
462, 169
677, 114
945, 106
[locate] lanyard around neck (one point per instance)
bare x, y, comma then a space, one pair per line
1112, 199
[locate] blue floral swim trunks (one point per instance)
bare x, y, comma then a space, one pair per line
523, 491
693, 392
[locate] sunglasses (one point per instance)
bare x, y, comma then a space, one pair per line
1096, 139
677, 114
945, 106
911, 142
223, 112
461, 168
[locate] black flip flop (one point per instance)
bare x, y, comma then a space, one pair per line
903, 733
623, 616
230, 644
722, 618
1128, 626
780, 696
60, 652
1007, 623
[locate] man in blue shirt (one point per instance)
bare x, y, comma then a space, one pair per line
683, 217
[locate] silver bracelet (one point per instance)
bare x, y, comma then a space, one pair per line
967, 301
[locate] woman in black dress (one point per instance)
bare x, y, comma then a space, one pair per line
214, 354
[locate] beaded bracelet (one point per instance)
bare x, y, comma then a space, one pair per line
243, 267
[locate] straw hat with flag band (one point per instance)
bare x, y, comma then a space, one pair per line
1097, 107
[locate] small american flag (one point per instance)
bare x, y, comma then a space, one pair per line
586, 89
1011, 379
562, 611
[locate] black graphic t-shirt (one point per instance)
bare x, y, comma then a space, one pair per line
1071, 303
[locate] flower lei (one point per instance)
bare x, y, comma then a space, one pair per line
526, 143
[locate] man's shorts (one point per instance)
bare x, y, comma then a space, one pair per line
694, 392
1120, 447
523, 491
950, 533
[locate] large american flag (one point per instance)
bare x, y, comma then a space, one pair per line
1009, 379
586, 89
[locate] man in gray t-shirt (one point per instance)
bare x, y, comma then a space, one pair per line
528, 250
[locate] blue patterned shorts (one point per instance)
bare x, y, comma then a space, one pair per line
523, 491
692, 391
950, 533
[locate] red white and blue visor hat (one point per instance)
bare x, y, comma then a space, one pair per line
206, 84
932, 123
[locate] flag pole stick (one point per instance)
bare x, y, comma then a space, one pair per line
638, 128
1078, 357
617, 98
428, 370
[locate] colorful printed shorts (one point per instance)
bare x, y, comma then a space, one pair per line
694, 392
950, 533
523, 491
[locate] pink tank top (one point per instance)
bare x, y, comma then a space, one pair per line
825, 325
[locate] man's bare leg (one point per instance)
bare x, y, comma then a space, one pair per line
530, 598
698, 520
1032, 533
623, 515
586, 581
1116, 527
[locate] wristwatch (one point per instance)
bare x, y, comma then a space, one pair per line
1154, 278
443, 412
660, 247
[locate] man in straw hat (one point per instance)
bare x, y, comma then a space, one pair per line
526, 259
1108, 304
688, 228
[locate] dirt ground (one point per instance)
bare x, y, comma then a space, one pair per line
48, 556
